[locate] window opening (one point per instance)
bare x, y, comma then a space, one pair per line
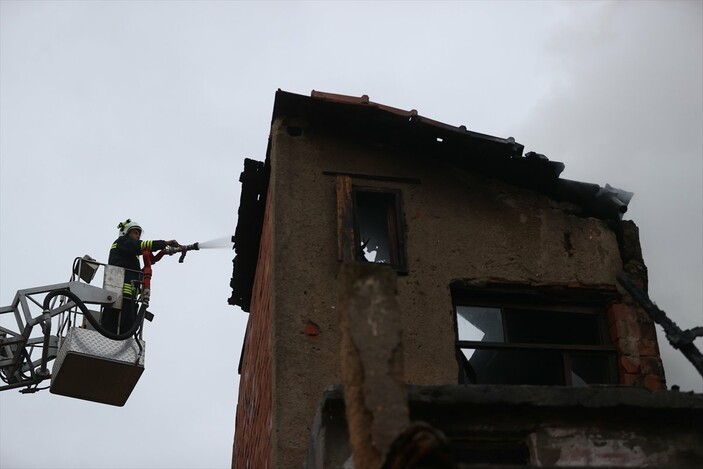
370, 225
591, 369
554, 327
533, 345
377, 227
478, 324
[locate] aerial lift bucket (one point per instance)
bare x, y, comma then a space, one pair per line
91, 362
94, 368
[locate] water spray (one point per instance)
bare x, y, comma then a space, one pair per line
217, 243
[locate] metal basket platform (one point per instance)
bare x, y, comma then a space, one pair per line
92, 367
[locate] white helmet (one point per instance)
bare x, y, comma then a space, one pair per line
128, 225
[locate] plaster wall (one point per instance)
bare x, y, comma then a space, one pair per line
459, 226
599, 446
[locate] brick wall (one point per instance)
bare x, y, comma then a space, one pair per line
252, 438
631, 329
634, 336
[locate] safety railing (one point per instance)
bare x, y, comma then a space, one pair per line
26, 340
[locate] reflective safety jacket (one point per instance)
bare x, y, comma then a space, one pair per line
125, 252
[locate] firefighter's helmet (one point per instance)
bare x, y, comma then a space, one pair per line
128, 225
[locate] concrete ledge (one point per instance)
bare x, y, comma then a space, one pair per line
552, 426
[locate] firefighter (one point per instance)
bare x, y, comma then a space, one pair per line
125, 252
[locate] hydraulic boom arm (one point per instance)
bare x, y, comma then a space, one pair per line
26, 350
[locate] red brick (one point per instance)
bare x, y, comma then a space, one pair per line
653, 382
312, 330
631, 379
630, 365
652, 366
649, 348
253, 438
621, 312
648, 330
625, 329
628, 346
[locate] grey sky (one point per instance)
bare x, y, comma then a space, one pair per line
146, 110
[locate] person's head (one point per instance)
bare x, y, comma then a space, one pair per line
130, 228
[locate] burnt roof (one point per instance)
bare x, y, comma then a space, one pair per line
247, 237
354, 113
454, 147
500, 158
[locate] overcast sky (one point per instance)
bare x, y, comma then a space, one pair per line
110, 110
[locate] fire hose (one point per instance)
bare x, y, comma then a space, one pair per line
89, 316
151, 258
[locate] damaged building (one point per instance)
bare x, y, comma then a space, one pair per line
505, 326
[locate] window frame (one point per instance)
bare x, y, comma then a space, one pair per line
595, 307
348, 229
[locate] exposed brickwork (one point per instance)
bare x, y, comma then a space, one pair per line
632, 332
630, 250
312, 330
631, 329
252, 439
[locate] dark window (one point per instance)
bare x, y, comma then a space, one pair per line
370, 225
491, 452
531, 344
378, 227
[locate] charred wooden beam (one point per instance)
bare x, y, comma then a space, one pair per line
679, 339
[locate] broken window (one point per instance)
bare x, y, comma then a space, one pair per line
370, 225
532, 344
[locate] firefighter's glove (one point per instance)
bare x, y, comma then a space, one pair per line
173, 243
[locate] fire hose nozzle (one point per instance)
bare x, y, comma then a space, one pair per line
170, 250
185, 249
